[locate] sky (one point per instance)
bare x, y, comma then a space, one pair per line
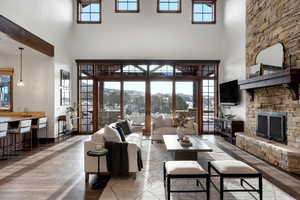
164, 87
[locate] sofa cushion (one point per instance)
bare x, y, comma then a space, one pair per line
121, 133
125, 126
111, 135
134, 138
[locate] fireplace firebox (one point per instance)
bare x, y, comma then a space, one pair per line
272, 126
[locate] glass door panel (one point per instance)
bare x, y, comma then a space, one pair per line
110, 109
161, 98
134, 102
208, 105
86, 105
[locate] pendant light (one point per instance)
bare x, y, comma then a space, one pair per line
21, 83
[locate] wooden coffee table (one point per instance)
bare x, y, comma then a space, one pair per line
185, 153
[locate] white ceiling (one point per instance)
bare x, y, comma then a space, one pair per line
10, 47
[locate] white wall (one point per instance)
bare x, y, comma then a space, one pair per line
147, 35
52, 21
233, 63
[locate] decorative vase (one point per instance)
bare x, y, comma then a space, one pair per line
180, 132
69, 125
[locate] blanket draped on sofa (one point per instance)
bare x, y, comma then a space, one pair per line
117, 162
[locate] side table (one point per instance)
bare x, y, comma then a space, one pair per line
98, 153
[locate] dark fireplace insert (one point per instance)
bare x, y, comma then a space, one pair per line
272, 126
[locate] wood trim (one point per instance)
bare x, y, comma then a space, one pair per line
215, 11
7, 71
25, 37
95, 106
127, 11
147, 62
148, 119
169, 11
10, 73
89, 22
122, 99
174, 98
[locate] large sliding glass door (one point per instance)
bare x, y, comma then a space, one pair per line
110, 91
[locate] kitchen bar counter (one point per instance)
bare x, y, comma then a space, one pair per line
19, 116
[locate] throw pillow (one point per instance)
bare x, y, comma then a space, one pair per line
121, 133
111, 135
125, 127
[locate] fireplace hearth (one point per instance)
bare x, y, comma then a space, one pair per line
272, 126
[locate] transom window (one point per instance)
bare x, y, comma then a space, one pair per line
204, 12
89, 11
127, 5
169, 6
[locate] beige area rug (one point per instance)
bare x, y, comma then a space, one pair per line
148, 184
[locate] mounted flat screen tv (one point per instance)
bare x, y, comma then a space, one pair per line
229, 93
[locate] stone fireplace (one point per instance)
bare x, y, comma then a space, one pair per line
272, 126
270, 22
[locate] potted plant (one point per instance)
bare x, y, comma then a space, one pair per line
71, 114
180, 122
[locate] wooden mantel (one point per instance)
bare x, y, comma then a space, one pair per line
289, 78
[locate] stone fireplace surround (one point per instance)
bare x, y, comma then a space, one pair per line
269, 22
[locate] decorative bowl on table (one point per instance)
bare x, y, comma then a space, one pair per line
185, 142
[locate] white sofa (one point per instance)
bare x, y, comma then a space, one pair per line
134, 141
170, 129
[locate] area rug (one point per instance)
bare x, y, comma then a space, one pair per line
148, 184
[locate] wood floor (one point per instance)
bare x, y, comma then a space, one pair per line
56, 172
51, 172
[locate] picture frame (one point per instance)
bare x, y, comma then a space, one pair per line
65, 92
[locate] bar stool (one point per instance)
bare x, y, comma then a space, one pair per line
62, 127
3, 137
42, 123
23, 128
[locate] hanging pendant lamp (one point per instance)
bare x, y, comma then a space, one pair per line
21, 83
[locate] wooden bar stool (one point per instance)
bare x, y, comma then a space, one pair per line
62, 126
42, 123
23, 128
3, 137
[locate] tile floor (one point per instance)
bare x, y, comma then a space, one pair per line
148, 183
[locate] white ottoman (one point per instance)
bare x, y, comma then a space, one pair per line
184, 169
234, 169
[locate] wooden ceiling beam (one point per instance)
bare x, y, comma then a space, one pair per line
25, 37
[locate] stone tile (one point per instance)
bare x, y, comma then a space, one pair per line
149, 182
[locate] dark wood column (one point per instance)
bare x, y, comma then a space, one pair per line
174, 99
122, 99
148, 108
199, 103
95, 106
100, 100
